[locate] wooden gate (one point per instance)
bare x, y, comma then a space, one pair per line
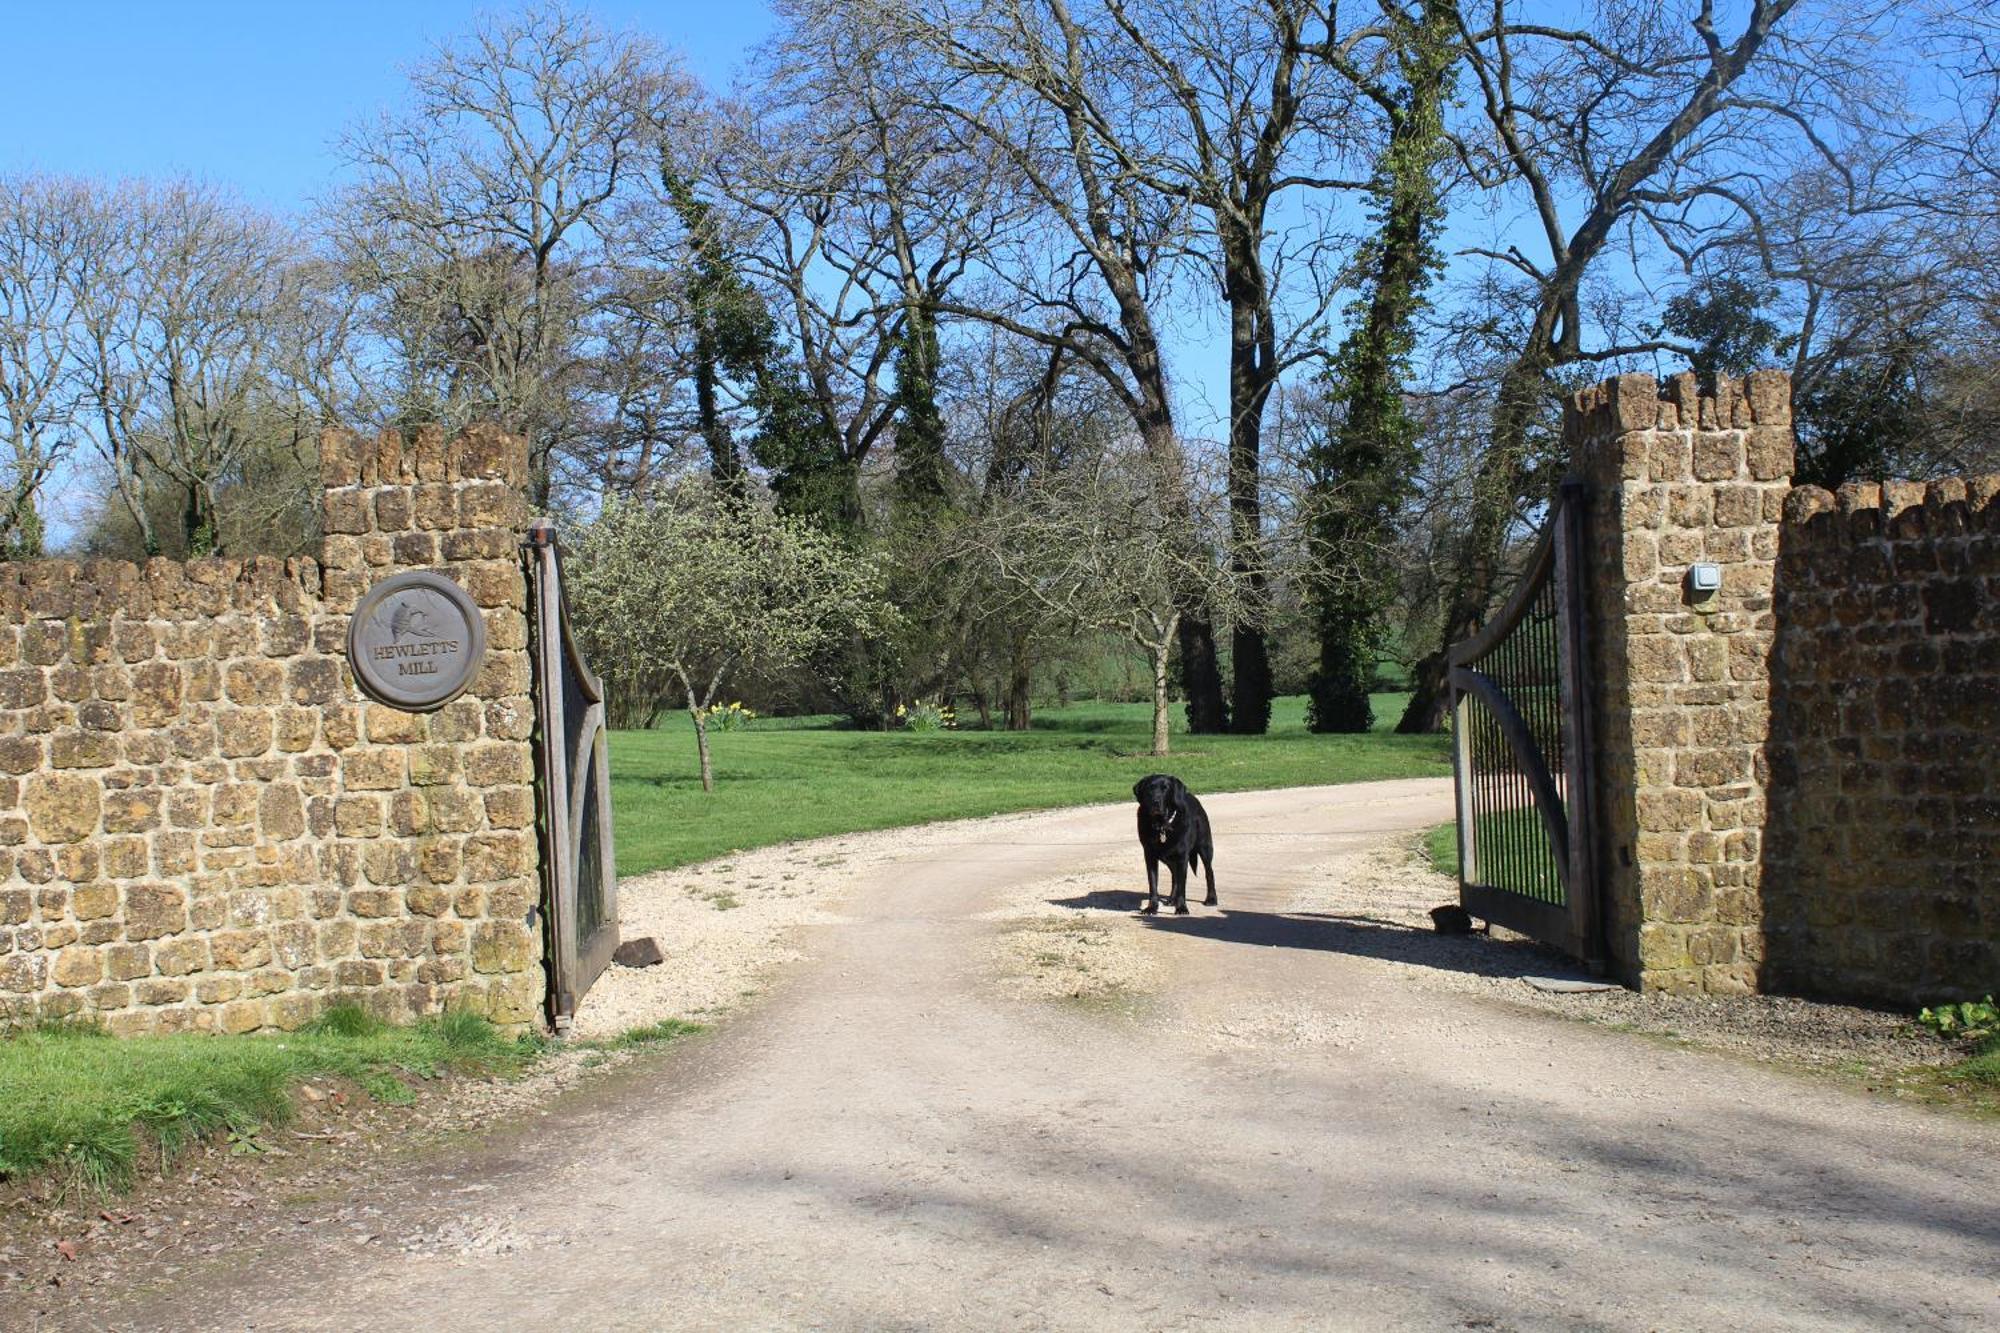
573, 786
1522, 751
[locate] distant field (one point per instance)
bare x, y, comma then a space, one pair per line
785, 779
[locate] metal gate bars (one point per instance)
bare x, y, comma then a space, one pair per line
1522, 753
573, 783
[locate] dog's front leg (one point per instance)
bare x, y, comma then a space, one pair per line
1152, 884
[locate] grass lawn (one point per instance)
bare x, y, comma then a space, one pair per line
778, 781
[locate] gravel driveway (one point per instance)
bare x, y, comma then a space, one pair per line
985, 1095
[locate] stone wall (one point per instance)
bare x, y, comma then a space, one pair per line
203, 825
1682, 706
1799, 774
1882, 869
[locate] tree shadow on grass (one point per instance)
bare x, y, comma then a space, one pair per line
1357, 935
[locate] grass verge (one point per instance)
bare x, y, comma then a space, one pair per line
777, 785
1441, 847
667, 1029
90, 1107
1972, 1084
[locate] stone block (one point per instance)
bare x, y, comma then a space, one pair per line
498, 856
153, 910
125, 857
62, 807
1718, 455
501, 947
392, 726
347, 512
358, 816
498, 764
373, 770
84, 750
242, 733
281, 811
315, 680
510, 808
180, 956
240, 950
78, 965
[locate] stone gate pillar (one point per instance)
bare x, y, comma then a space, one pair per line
432, 813
1681, 707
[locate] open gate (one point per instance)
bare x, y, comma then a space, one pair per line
573, 786
1522, 754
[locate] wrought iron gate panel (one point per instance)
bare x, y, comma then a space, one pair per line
573, 786
1522, 751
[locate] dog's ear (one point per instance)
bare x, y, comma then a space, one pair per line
1177, 787
1139, 789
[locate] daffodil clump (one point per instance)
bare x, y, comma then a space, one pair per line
927, 715
732, 716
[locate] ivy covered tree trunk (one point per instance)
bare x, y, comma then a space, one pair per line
734, 337
25, 538
1362, 472
922, 481
1201, 676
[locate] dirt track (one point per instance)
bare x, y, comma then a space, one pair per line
1280, 1115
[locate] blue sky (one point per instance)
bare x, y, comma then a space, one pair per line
252, 95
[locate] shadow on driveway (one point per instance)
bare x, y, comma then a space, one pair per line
1355, 934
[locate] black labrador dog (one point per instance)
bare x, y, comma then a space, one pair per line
1173, 828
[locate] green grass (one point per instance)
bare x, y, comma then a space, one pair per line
91, 1107
667, 1029
776, 785
1971, 1084
1441, 846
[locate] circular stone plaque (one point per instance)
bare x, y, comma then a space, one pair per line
416, 641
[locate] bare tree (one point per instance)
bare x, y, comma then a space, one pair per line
1089, 548
1091, 251
46, 230
182, 295
477, 222
1263, 105
1609, 130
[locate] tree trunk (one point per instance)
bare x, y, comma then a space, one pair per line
1161, 651
24, 527
723, 463
1252, 371
1201, 677
701, 742
1020, 683
984, 703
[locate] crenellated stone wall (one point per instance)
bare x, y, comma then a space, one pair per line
203, 824
1882, 864
1799, 774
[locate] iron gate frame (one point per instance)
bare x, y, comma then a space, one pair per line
1576, 925
573, 962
